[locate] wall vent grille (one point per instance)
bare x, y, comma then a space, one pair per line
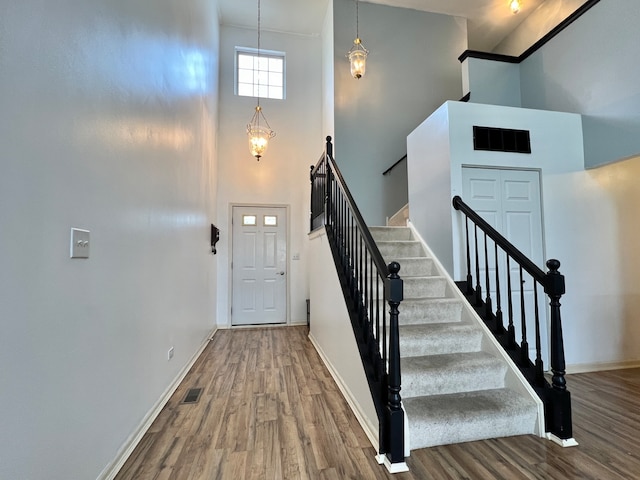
501, 139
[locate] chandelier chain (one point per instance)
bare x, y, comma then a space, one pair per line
258, 49
357, 21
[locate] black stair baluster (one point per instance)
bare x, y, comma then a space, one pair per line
511, 330
539, 364
478, 288
499, 323
469, 277
488, 307
524, 344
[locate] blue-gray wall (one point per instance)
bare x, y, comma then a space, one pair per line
592, 68
411, 70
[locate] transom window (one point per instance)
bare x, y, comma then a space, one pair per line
260, 76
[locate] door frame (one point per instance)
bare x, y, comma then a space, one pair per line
287, 210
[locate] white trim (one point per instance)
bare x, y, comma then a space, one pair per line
569, 442
370, 430
399, 467
127, 448
599, 367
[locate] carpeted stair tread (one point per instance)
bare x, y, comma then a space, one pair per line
430, 310
468, 416
381, 234
438, 338
451, 373
392, 250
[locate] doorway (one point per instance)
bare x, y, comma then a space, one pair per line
259, 265
510, 201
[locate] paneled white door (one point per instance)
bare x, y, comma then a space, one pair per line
259, 262
509, 200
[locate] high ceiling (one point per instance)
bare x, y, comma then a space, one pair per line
489, 21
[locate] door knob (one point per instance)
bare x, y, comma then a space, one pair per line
280, 273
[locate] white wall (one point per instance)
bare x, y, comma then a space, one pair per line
281, 177
429, 175
592, 68
537, 24
332, 334
107, 122
412, 68
328, 69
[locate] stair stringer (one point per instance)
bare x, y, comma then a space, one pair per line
514, 379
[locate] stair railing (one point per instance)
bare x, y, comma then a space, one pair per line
366, 282
556, 397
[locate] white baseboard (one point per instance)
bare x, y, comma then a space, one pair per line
370, 430
111, 470
600, 367
565, 443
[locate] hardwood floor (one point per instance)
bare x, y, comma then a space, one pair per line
270, 410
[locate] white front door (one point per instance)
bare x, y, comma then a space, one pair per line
258, 267
509, 200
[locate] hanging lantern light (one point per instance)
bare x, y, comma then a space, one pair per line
358, 54
515, 6
258, 129
259, 135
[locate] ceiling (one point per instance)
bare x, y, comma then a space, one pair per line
489, 21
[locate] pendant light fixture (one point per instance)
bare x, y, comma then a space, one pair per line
258, 129
358, 54
515, 6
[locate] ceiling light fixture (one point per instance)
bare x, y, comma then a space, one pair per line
358, 54
515, 6
259, 133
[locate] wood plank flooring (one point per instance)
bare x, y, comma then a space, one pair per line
270, 410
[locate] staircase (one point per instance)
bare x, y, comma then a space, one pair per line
457, 385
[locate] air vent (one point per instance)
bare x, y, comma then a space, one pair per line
501, 140
192, 396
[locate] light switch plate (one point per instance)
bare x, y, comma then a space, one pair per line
79, 243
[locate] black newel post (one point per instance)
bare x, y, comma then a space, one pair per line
395, 414
559, 408
328, 179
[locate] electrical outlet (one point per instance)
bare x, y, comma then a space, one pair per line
170, 354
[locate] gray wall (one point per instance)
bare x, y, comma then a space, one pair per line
411, 70
592, 68
107, 122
